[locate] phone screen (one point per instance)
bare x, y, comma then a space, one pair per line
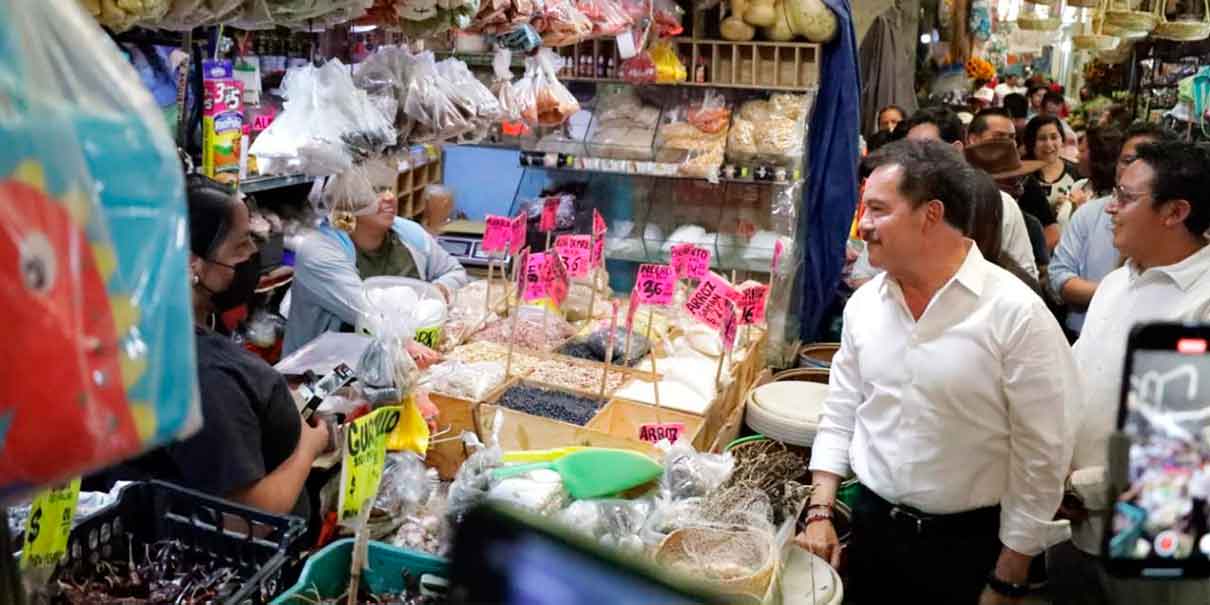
1161, 520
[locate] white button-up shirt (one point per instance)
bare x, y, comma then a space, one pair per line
1124, 299
970, 406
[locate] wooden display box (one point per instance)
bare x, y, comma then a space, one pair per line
456, 415
624, 418
522, 431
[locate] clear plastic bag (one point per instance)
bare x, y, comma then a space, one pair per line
351, 192
470, 381
407, 483
562, 24
598, 341
612, 523
474, 478
99, 352
473, 97
433, 103
552, 104
689, 473
502, 86
607, 16
668, 66
386, 372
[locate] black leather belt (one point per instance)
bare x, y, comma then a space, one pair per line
913, 521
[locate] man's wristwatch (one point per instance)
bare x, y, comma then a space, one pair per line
1007, 589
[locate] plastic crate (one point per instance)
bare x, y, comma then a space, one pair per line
155, 511
327, 571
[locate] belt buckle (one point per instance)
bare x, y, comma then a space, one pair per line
899, 513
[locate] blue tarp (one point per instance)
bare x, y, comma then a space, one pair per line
830, 195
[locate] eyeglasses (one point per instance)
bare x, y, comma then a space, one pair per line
1128, 197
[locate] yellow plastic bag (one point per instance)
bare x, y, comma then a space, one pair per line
668, 66
412, 432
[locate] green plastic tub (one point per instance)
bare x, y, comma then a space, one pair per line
327, 571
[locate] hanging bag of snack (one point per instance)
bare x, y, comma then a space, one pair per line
547, 101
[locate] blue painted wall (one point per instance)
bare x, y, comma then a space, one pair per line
483, 179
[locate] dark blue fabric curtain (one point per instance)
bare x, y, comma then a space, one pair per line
830, 195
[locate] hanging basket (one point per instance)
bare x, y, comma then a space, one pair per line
1140, 21
1038, 24
1083, 3
1117, 55
1094, 42
1125, 34
1050, 3
1183, 30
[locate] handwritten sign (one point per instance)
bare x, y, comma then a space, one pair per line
557, 283
497, 234
655, 284
598, 224
690, 261
712, 301
534, 287
778, 248
550, 212
49, 525
598, 253
576, 251
752, 300
365, 452
517, 240
652, 432
730, 326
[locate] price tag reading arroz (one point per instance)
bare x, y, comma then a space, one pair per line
752, 299
655, 284
365, 452
49, 526
497, 234
712, 301
576, 251
690, 261
653, 432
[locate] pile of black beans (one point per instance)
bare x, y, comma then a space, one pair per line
548, 403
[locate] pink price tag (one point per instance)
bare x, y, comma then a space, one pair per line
576, 251
516, 240
598, 252
630, 309
652, 432
550, 212
778, 248
655, 284
598, 224
690, 261
730, 326
712, 301
556, 279
752, 301
497, 234
535, 280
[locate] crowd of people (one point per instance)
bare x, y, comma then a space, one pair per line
977, 430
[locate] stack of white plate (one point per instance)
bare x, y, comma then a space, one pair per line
808, 580
787, 411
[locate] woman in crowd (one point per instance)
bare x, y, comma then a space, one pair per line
1056, 178
253, 447
1098, 161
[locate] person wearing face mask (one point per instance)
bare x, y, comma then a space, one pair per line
331, 264
253, 447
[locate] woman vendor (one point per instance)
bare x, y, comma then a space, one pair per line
253, 447
331, 264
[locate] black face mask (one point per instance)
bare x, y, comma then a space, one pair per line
243, 285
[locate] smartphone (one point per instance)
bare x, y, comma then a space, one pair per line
314, 393
510, 557
1159, 459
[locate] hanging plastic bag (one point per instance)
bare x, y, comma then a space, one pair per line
668, 66
562, 24
502, 86
99, 356
552, 104
668, 18
639, 70
607, 16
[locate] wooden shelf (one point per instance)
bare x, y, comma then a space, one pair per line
423, 168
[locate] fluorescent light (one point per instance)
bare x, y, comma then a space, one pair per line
361, 29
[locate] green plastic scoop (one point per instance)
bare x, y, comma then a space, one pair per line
594, 472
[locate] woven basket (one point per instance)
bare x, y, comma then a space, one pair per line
1182, 31
1039, 24
1117, 55
1094, 42
672, 550
1123, 33
1140, 21
1083, 3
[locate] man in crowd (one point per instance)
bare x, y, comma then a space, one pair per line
1160, 215
1086, 253
1010, 85
959, 477
940, 124
1017, 107
890, 117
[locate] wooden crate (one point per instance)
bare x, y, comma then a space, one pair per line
522, 431
623, 418
419, 169
456, 415
720, 417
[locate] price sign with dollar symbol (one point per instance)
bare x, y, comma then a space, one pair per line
49, 526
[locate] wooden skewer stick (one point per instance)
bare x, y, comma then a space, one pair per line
613, 325
656, 384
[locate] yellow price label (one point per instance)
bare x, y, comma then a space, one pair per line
429, 337
365, 449
49, 525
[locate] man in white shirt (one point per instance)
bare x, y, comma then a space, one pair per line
1010, 85
1160, 214
952, 398
940, 124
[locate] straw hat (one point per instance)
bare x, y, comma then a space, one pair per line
999, 158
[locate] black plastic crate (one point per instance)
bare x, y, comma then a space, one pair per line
252, 542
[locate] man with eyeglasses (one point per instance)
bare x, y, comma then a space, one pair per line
1086, 253
1160, 214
